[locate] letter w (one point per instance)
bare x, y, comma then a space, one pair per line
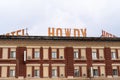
68, 32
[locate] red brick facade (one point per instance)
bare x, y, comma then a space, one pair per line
69, 61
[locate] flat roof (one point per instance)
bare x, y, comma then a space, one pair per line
3, 37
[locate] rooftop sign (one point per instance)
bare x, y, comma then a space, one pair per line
68, 32
16, 33
106, 34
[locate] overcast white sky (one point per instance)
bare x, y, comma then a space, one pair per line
38, 15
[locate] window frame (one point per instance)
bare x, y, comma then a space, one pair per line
38, 73
95, 72
76, 71
116, 73
113, 55
37, 54
12, 73
94, 55
76, 54
54, 72
12, 54
54, 55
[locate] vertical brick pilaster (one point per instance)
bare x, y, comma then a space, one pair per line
118, 68
108, 61
79, 50
97, 53
20, 64
8, 71
57, 53
49, 53
80, 69
117, 53
41, 53
41, 71
89, 60
16, 72
8, 52
65, 71
69, 58
1, 53
99, 71
50, 71
65, 56
58, 71
32, 71
33, 51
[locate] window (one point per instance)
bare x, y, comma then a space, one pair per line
76, 73
36, 73
12, 73
113, 55
94, 55
12, 54
115, 72
37, 54
95, 72
76, 55
54, 55
54, 73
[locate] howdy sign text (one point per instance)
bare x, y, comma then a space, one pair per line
67, 32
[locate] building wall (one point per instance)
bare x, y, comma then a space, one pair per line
64, 63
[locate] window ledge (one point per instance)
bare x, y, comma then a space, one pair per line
80, 59
76, 76
77, 59
36, 77
62, 77
33, 59
115, 59
57, 59
8, 59
45, 59
98, 59
95, 76
102, 59
12, 58
115, 76
55, 77
94, 58
12, 77
83, 59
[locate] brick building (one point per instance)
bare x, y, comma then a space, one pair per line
59, 58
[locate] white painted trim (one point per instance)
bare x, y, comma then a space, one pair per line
33, 46
115, 64
79, 46
45, 47
109, 76
100, 47
8, 46
32, 64
57, 46
7, 64
45, 64
98, 64
70, 77
80, 64
58, 64
91, 70
115, 47
25, 56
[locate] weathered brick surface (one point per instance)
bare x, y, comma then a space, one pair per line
69, 62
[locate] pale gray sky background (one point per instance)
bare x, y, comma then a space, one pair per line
38, 15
